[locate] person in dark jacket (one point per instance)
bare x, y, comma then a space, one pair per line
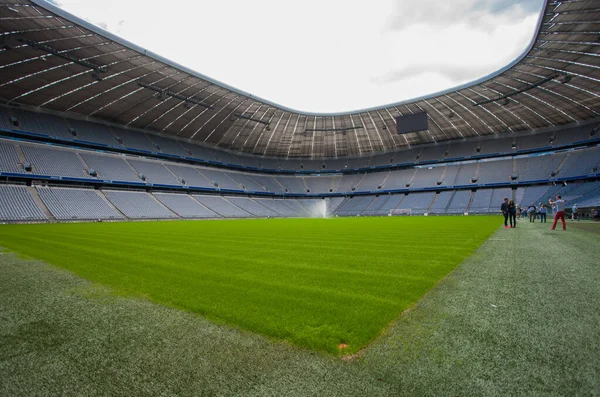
512, 213
531, 210
504, 209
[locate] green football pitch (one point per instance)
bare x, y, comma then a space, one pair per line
317, 283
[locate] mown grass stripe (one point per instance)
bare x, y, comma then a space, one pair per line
313, 282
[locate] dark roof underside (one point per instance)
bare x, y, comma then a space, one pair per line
568, 41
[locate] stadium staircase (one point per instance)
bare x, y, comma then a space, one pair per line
111, 205
20, 154
385, 179
370, 204
559, 166
361, 180
164, 206
135, 172
171, 172
238, 184
470, 202
306, 189
412, 177
433, 202
85, 165
38, 201
443, 176
235, 205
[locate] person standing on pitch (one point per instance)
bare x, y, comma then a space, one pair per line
512, 213
559, 212
504, 209
531, 212
574, 214
543, 212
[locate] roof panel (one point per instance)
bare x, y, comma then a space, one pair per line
566, 45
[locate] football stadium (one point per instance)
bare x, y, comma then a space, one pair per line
165, 233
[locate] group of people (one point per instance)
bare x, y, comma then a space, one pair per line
510, 209
532, 212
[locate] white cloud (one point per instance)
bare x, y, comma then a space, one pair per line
330, 55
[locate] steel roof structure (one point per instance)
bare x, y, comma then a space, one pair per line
52, 60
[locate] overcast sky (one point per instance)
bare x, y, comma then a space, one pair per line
326, 55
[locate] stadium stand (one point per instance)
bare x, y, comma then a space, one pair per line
168, 146
79, 204
222, 206
268, 183
44, 124
220, 179
17, 204
354, 205
294, 207
539, 167
542, 145
383, 204
46, 161
58, 162
292, 184
581, 162
285, 208
425, 177
418, 202
459, 202
496, 172
320, 184
441, 203
252, 207
482, 202
90, 132
138, 205
190, 175
349, 183
399, 179
9, 158
154, 172
134, 140
245, 182
466, 173
498, 196
113, 168
185, 205
434, 152
372, 182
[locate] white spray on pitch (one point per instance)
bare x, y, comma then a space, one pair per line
318, 209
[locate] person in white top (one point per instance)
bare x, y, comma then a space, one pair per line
574, 214
559, 212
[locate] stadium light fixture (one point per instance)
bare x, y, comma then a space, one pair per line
244, 117
162, 94
343, 130
515, 92
564, 78
98, 69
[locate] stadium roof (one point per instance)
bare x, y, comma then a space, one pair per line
55, 61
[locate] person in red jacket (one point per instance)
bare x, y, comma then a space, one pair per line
559, 211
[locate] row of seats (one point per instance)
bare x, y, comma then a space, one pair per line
64, 162
78, 130
482, 201
20, 203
